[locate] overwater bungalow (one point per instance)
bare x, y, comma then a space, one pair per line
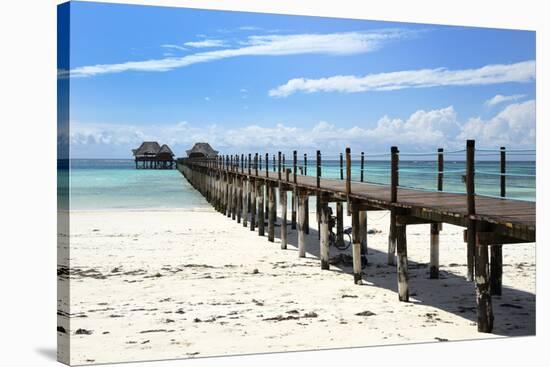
201, 150
151, 155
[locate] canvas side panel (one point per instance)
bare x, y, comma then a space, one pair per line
63, 163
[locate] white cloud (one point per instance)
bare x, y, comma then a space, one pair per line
499, 98
175, 47
271, 45
520, 72
422, 130
249, 28
513, 127
208, 43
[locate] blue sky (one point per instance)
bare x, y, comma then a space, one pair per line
261, 82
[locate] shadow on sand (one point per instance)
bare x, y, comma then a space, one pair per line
514, 311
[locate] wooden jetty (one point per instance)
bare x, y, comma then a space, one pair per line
235, 186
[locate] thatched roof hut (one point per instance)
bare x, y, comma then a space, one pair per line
147, 149
201, 150
165, 153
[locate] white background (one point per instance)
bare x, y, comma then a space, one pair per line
28, 186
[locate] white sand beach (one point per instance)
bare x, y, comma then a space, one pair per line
151, 285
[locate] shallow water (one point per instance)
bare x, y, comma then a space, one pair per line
97, 184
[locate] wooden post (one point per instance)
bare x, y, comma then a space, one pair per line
249, 163
503, 171
318, 194
348, 172
245, 201
362, 166
435, 228
434, 250
256, 164
272, 212
235, 197
483, 293
261, 219
253, 194
295, 162
496, 249
240, 198
266, 164
324, 243
318, 169
229, 196
306, 209
392, 239
356, 245
363, 232
341, 166
283, 200
471, 206
279, 166
305, 164
339, 222
402, 266
266, 202
302, 197
294, 203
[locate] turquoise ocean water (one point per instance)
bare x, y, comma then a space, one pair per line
116, 184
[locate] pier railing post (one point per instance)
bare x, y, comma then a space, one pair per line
496, 249
342, 166
471, 206
392, 238
362, 166
348, 172
318, 169
305, 164
435, 228
294, 164
256, 164
279, 166
266, 164
249, 163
